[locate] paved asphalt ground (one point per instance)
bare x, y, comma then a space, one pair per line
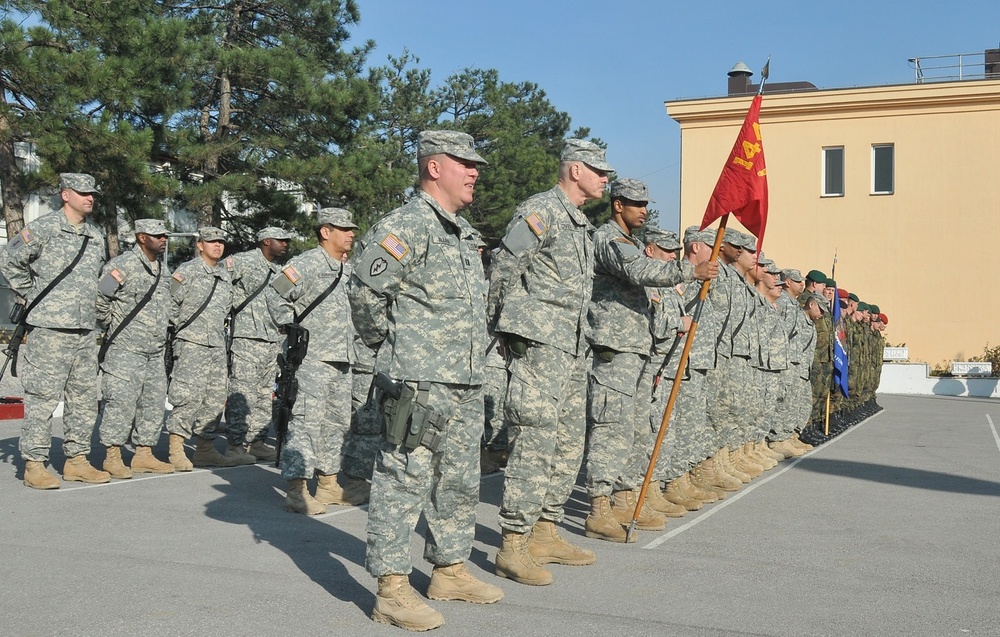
889, 529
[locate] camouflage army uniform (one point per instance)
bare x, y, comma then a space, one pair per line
494, 390
619, 439
363, 443
59, 358
321, 415
771, 361
821, 374
665, 320
198, 387
540, 289
801, 345
418, 294
742, 390
721, 295
134, 383
255, 347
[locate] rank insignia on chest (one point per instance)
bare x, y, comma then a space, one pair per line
117, 275
292, 274
395, 247
536, 224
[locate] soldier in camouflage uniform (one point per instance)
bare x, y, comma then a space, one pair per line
417, 294
495, 439
821, 374
254, 345
134, 383
771, 361
540, 288
619, 438
321, 415
59, 357
363, 443
201, 291
695, 439
801, 345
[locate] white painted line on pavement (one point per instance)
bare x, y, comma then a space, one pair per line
993, 427
753, 485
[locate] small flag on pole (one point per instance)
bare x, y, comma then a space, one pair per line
840, 361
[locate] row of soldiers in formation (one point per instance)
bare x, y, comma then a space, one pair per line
586, 324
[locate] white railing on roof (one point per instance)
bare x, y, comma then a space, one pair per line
946, 68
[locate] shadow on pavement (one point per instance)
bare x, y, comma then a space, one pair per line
315, 546
903, 476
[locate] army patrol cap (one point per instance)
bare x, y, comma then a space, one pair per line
211, 233
273, 232
152, 227
587, 152
816, 276
664, 239
792, 275
749, 242
823, 302
733, 237
447, 142
80, 182
336, 217
694, 235
631, 189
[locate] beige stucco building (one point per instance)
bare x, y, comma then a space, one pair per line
900, 182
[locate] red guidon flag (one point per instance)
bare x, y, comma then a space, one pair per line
742, 186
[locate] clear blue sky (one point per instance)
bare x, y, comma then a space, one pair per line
611, 65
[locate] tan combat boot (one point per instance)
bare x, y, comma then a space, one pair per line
37, 476
801, 444
262, 451
674, 492
456, 583
298, 500
623, 507
77, 469
548, 547
396, 604
205, 454
728, 457
145, 462
745, 463
329, 491
701, 494
706, 476
659, 504
514, 561
178, 458
602, 524
114, 464
762, 457
785, 448
763, 448
239, 456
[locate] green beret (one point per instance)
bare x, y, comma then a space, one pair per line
816, 276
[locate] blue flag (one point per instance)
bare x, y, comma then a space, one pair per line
839, 352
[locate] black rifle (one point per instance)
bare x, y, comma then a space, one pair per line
17, 315
288, 386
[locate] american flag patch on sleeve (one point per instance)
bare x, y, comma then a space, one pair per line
536, 224
395, 247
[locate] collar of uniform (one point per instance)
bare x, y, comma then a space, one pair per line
630, 237
88, 228
450, 219
330, 261
274, 266
150, 267
575, 214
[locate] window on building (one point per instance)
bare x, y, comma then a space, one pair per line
883, 162
833, 171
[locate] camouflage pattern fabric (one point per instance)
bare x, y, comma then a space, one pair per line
418, 294
255, 351
57, 365
198, 384
363, 443
540, 290
134, 382
321, 415
495, 435
545, 410
616, 417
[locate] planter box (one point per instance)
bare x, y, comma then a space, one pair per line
11, 408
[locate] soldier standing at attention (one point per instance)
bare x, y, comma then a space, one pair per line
312, 291
202, 293
417, 295
134, 303
540, 289
619, 436
59, 359
254, 345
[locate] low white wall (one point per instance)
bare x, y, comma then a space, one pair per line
913, 378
